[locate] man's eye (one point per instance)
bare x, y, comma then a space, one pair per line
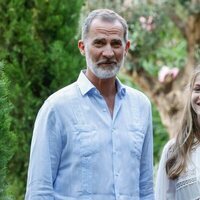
117, 44
98, 44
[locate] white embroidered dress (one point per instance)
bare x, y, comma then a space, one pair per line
186, 186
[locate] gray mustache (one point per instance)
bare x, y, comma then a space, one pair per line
108, 61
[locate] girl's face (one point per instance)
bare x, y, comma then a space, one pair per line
195, 98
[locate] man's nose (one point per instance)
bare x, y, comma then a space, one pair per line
108, 52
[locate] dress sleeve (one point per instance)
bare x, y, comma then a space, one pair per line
165, 187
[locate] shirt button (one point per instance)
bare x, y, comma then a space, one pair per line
104, 110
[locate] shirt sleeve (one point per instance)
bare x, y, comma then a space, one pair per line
45, 154
146, 163
165, 187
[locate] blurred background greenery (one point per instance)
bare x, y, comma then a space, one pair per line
39, 55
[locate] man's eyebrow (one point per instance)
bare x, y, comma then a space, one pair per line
98, 40
117, 40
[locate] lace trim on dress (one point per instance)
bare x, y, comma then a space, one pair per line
184, 183
188, 173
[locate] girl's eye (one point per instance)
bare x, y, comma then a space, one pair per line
196, 89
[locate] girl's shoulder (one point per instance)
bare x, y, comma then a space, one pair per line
168, 145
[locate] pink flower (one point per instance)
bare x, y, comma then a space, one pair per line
150, 20
147, 23
142, 19
166, 71
162, 73
175, 72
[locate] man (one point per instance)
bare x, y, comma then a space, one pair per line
92, 140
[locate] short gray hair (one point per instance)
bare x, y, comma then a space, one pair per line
105, 15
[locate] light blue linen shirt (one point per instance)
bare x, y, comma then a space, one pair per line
80, 152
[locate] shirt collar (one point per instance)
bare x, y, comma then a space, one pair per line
86, 86
121, 89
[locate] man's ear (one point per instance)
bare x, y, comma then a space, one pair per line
128, 43
81, 47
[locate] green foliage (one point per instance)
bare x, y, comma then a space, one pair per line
38, 43
160, 135
161, 44
192, 7
7, 141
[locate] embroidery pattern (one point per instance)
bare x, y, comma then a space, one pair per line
184, 183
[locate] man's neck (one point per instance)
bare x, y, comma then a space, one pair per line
106, 87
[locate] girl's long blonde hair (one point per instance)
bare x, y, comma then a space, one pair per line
187, 137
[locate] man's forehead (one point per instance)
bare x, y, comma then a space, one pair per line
104, 40
106, 27
98, 21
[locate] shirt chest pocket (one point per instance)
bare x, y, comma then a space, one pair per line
136, 142
86, 140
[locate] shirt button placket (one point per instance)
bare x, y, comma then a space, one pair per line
115, 162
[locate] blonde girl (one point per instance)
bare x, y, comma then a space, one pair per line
178, 176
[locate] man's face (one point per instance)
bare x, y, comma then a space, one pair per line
104, 48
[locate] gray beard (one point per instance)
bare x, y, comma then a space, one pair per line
104, 73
